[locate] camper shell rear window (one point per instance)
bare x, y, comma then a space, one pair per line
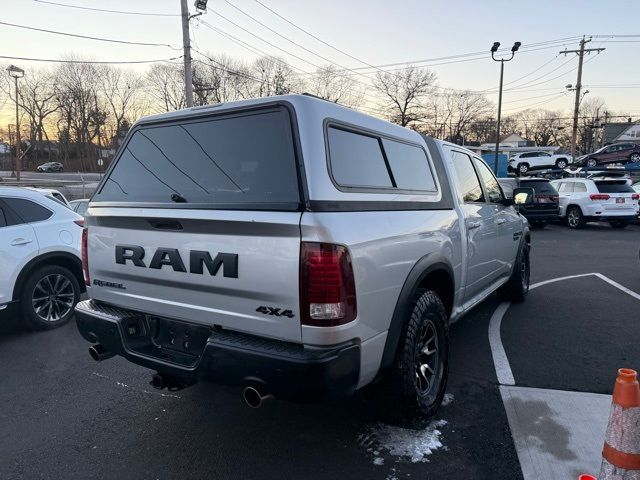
239, 160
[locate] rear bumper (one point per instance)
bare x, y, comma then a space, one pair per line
610, 218
287, 370
546, 215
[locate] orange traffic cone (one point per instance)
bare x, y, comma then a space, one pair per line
621, 453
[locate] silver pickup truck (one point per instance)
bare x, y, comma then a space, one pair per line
296, 248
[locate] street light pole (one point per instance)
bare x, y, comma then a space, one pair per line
16, 73
494, 49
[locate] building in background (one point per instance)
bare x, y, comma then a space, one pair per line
622, 132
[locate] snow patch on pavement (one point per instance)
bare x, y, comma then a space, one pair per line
447, 399
404, 443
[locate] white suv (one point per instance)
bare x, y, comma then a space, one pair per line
40, 257
584, 200
522, 163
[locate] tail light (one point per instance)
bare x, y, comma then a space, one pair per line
85, 258
635, 196
599, 196
79, 222
327, 285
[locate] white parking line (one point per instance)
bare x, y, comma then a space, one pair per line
500, 360
617, 285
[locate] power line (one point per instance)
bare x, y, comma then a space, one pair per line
248, 46
262, 39
533, 71
379, 67
464, 57
532, 98
111, 40
530, 82
546, 81
149, 14
295, 43
316, 37
543, 102
99, 62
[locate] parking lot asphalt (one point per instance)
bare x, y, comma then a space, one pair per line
64, 416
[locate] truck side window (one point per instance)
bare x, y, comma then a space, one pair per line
3, 221
466, 178
409, 166
357, 160
491, 185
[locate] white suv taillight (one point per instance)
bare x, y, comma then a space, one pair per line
85, 258
327, 285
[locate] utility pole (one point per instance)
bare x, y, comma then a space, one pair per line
576, 108
186, 43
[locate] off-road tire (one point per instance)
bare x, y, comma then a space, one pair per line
29, 315
517, 287
402, 392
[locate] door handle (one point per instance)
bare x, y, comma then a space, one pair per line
472, 225
500, 221
20, 241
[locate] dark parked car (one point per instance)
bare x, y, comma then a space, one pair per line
615, 153
545, 207
50, 167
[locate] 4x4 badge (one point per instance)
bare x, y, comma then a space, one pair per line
275, 311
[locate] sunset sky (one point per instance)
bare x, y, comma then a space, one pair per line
374, 32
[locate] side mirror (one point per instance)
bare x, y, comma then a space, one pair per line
523, 196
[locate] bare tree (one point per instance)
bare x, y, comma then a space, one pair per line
122, 91
222, 79
590, 109
81, 113
336, 86
38, 101
404, 93
462, 109
274, 76
166, 87
544, 127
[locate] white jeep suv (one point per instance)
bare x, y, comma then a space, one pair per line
40, 257
522, 163
584, 200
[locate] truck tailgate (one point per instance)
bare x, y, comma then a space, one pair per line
167, 263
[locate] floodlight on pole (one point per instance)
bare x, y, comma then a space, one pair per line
494, 50
16, 73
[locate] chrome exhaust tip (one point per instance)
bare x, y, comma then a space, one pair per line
254, 397
99, 353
